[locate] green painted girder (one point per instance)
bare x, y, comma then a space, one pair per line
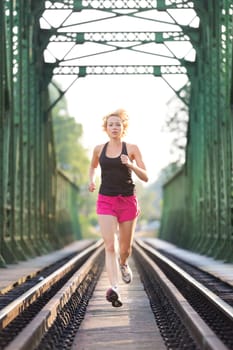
82, 71
160, 5
110, 39
105, 37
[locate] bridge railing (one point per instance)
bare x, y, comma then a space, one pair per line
175, 215
67, 216
33, 219
198, 204
53, 225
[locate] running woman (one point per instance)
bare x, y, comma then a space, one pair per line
117, 205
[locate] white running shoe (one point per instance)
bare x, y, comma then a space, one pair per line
126, 273
113, 297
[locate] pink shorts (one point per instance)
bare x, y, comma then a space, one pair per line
124, 208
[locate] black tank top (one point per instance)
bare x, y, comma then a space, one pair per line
116, 178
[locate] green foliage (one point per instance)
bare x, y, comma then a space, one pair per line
151, 197
88, 229
72, 157
148, 198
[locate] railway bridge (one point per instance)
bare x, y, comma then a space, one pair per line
36, 198
39, 203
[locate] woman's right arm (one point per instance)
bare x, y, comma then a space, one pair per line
92, 170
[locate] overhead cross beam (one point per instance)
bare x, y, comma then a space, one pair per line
160, 5
82, 71
105, 37
104, 42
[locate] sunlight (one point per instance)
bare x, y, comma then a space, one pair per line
99, 38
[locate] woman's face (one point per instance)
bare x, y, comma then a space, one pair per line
114, 127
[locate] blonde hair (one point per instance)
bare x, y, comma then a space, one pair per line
121, 113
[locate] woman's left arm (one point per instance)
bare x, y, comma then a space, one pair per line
139, 168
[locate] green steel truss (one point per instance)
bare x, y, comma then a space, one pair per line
132, 5
37, 201
113, 41
148, 37
28, 173
202, 217
100, 70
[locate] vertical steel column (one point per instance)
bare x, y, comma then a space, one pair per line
175, 217
67, 223
225, 17
4, 107
209, 149
27, 175
12, 151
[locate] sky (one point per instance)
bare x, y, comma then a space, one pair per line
144, 97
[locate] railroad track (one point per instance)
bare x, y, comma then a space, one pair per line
203, 304
191, 310
25, 320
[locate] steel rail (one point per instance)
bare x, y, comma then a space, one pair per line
212, 297
11, 311
200, 331
32, 334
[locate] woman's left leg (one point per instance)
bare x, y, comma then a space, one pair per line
126, 233
108, 228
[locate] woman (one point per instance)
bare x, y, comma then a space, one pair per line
117, 205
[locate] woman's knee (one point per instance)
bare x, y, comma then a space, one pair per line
125, 251
110, 247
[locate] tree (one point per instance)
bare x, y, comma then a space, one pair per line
72, 157
177, 124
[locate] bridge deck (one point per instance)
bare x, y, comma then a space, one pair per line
217, 268
18, 273
129, 327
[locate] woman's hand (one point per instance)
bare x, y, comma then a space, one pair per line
91, 187
139, 168
125, 160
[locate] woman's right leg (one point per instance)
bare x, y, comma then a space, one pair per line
108, 227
